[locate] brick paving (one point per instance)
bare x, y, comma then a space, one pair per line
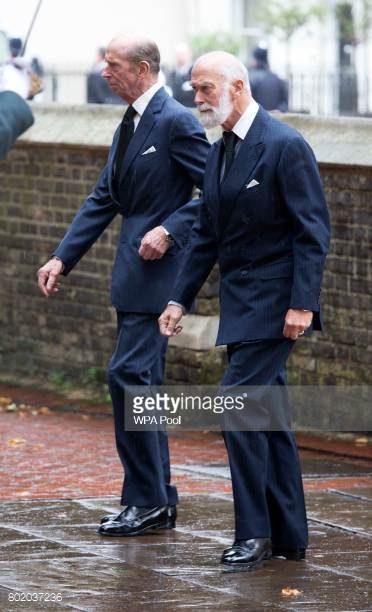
66, 455
59, 473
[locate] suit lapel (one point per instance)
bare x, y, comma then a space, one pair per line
144, 128
243, 166
211, 189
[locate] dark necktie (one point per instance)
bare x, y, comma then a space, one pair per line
126, 133
230, 139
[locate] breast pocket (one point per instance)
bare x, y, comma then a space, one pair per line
148, 158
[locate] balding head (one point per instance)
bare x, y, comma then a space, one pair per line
136, 49
225, 65
133, 64
221, 86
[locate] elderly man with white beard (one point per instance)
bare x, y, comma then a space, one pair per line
264, 220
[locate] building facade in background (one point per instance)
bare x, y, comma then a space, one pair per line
327, 61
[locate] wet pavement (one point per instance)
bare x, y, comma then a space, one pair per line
59, 474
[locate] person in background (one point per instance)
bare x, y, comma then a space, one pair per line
267, 88
179, 78
14, 74
19, 75
98, 90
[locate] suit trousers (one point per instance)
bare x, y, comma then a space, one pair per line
265, 469
139, 359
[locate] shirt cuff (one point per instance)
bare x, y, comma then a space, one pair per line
173, 303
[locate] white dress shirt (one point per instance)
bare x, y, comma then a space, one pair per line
241, 129
243, 125
142, 102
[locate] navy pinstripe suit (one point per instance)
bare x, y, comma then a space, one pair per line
270, 241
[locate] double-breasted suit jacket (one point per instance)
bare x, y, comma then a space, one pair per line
267, 224
164, 160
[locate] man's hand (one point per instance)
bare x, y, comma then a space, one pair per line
154, 244
169, 320
47, 276
296, 322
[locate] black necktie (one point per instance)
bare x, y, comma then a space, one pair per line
230, 139
126, 133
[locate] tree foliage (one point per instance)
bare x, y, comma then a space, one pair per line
284, 17
213, 41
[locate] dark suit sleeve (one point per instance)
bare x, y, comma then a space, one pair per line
189, 148
200, 256
303, 195
93, 217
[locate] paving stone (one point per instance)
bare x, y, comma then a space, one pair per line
342, 511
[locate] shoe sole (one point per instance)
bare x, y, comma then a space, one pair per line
246, 567
158, 527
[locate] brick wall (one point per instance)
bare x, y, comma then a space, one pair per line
71, 336
41, 188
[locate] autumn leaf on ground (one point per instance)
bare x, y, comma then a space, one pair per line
5, 401
11, 408
363, 440
44, 410
290, 592
15, 441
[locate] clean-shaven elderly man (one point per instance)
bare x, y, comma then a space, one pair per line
264, 220
157, 156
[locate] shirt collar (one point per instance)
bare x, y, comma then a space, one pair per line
243, 125
141, 103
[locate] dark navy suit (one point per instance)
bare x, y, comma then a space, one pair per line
155, 189
270, 241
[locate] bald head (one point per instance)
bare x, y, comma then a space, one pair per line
136, 49
225, 65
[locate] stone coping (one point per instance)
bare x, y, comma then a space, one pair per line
335, 140
199, 333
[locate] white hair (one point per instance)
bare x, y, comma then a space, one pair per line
226, 64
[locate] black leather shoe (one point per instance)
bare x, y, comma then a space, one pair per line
292, 554
116, 517
136, 520
244, 555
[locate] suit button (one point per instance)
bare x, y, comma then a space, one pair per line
246, 219
244, 274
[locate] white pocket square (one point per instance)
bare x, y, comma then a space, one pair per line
150, 150
253, 183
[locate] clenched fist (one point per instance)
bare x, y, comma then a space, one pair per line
154, 244
169, 320
47, 276
296, 323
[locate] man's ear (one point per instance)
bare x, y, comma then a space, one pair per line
143, 68
237, 88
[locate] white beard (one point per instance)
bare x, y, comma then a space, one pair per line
212, 116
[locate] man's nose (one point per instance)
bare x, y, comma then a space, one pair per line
198, 98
